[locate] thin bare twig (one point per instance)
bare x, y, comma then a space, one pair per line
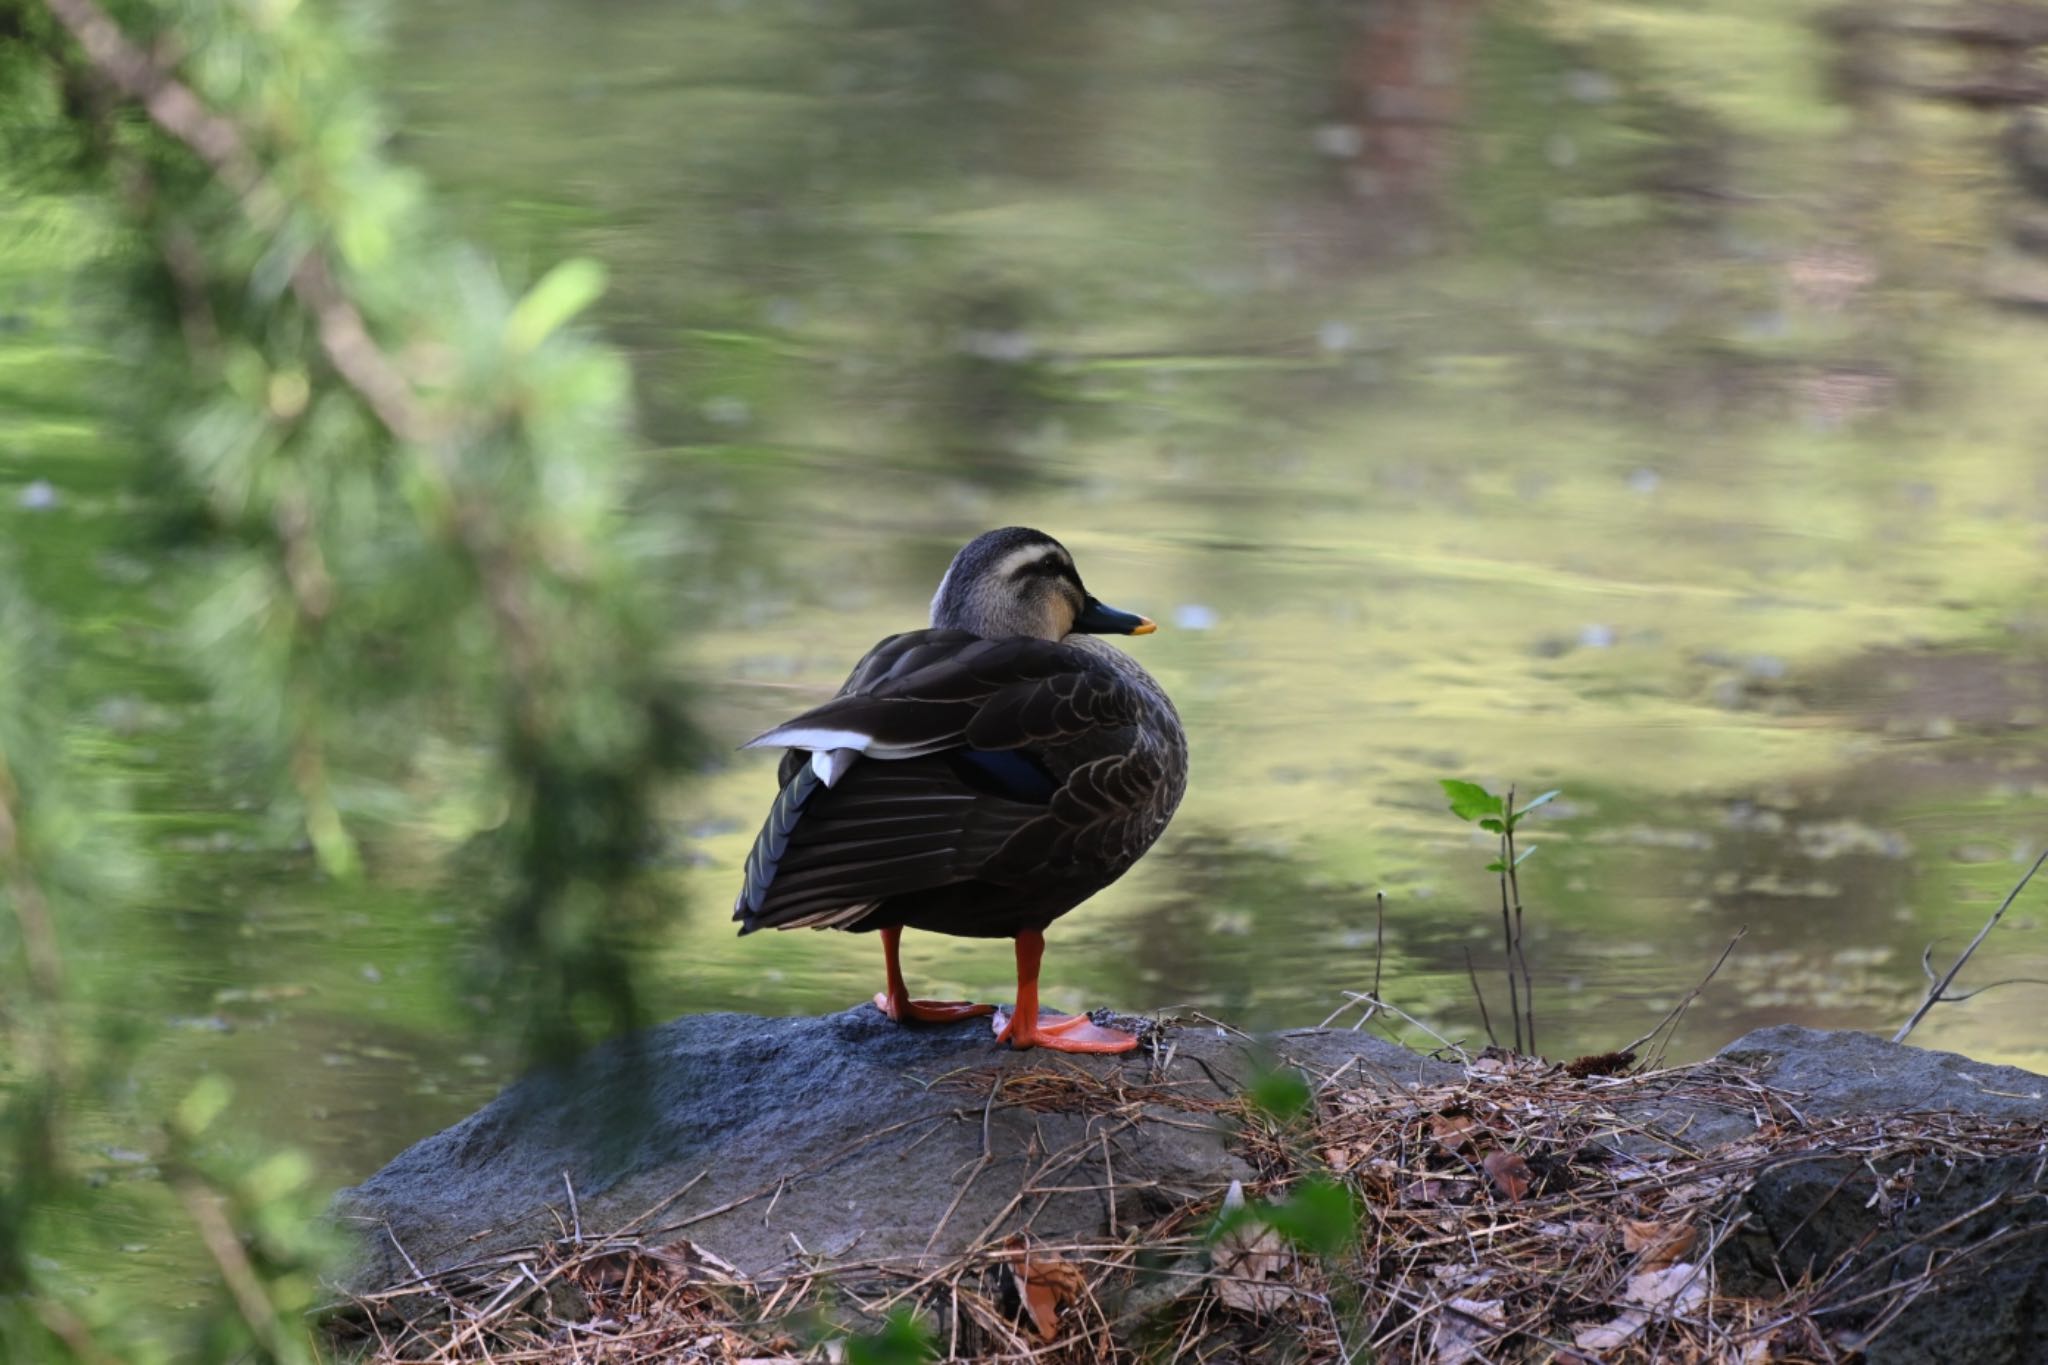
1677, 1011
1937, 992
1379, 954
1479, 995
1957, 999
1379, 939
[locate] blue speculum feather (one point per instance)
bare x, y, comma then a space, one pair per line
1004, 772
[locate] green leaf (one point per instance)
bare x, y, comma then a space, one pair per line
1542, 800
203, 1104
1496, 866
1469, 800
562, 293
1320, 1216
903, 1340
1493, 825
1281, 1094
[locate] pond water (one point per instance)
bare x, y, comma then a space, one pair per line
1587, 397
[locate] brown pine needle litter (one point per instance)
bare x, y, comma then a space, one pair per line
1519, 1213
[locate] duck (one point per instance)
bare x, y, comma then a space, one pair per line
979, 778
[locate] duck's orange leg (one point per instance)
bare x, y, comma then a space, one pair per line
1059, 1032
897, 1004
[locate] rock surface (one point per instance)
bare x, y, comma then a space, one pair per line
1841, 1074
1977, 1220
768, 1140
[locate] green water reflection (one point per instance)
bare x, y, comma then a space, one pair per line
1638, 427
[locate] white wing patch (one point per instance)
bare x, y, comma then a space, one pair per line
818, 739
831, 764
832, 751
813, 738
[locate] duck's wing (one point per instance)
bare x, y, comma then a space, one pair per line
930, 690
949, 784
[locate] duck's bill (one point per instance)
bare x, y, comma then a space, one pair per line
1098, 618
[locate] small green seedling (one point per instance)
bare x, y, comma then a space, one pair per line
1498, 815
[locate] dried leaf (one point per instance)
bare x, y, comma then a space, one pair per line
1602, 1337
694, 1261
1248, 1261
1342, 1159
1695, 1191
1429, 1190
1659, 1244
1677, 1289
1464, 1329
1046, 1284
1452, 1131
1680, 1289
1510, 1174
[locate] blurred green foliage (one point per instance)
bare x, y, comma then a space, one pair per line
1319, 1215
259, 1218
1281, 1094
396, 487
403, 482
58, 861
905, 1339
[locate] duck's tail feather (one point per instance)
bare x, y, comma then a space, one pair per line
771, 844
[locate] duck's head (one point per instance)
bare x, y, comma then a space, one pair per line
1018, 581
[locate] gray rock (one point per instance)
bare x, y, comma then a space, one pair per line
1976, 1219
766, 1139
1840, 1075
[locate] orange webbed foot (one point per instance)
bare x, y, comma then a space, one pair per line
1060, 1033
908, 1011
